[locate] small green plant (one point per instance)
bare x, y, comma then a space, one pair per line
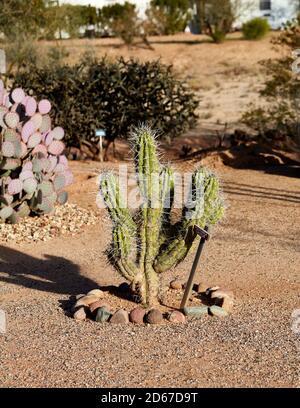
148, 243
255, 29
33, 169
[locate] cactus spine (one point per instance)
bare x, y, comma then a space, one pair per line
147, 244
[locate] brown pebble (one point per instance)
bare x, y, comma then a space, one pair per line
80, 314
176, 317
137, 315
176, 284
154, 316
120, 317
200, 287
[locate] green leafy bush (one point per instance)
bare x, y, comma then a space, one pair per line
111, 95
255, 29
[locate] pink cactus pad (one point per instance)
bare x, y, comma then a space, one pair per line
11, 119
24, 149
46, 124
8, 149
58, 133
69, 177
37, 119
56, 148
52, 163
40, 148
15, 186
18, 95
34, 140
30, 106
63, 160
48, 139
26, 174
27, 166
27, 130
60, 168
44, 106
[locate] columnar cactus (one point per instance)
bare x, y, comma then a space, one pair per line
147, 244
33, 169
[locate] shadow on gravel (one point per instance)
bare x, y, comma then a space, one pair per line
53, 274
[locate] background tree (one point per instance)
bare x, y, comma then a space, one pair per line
120, 20
165, 17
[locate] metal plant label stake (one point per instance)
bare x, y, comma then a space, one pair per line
203, 233
100, 133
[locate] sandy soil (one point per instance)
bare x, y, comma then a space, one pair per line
254, 252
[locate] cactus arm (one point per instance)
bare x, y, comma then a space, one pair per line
124, 229
205, 207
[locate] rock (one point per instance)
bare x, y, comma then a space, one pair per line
195, 311
210, 290
102, 315
96, 292
176, 284
227, 304
86, 300
154, 316
137, 315
100, 303
80, 314
121, 317
222, 293
176, 317
77, 297
217, 311
200, 287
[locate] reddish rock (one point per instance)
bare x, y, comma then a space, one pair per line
137, 315
154, 317
120, 317
176, 284
176, 317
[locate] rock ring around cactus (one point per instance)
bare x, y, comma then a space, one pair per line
114, 305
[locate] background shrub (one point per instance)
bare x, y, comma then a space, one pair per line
255, 29
113, 96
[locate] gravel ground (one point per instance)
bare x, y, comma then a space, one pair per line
254, 252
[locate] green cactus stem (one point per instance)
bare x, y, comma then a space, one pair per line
147, 244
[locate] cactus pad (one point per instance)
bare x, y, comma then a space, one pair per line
30, 175
15, 187
44, 106
18, 95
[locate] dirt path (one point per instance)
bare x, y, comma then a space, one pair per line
254, 252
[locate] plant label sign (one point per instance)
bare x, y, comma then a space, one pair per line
100, 133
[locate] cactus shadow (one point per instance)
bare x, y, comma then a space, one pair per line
53, 274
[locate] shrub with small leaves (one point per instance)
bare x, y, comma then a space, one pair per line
255, 29
33, 168
114, 95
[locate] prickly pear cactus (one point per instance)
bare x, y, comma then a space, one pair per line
33, 168
147, 244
